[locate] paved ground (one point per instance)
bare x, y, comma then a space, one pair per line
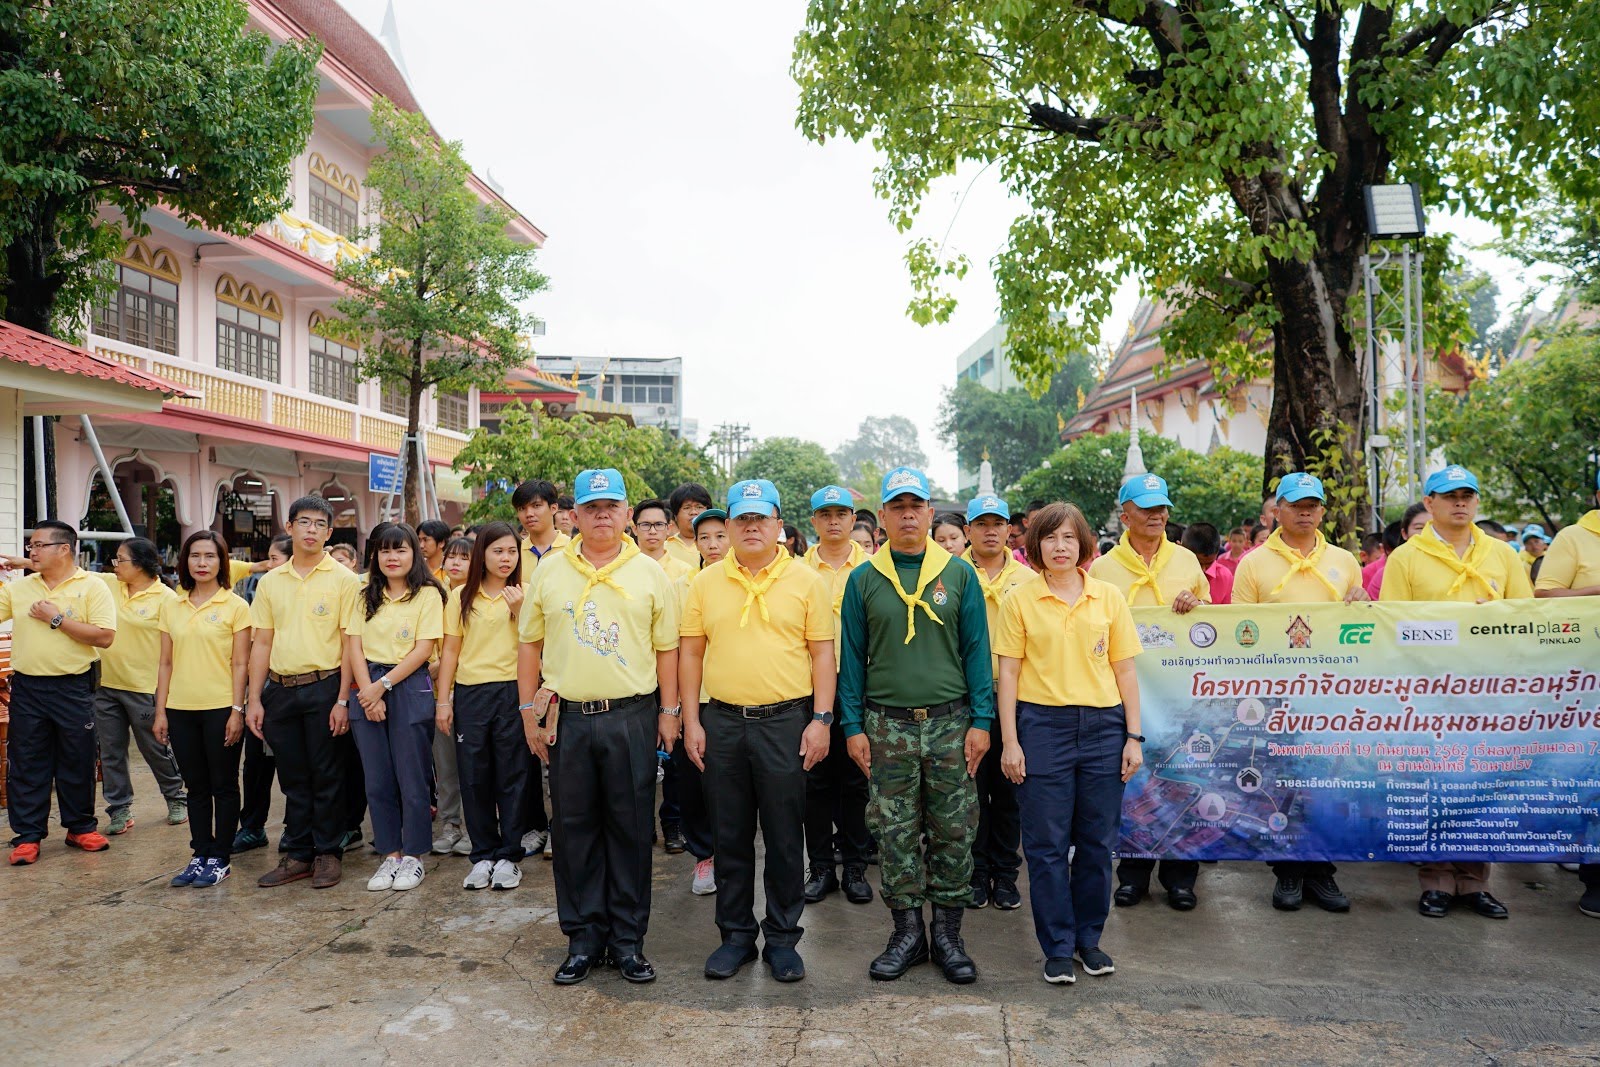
103, 963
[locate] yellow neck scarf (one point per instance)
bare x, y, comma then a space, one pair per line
1143, 573
755, 592
603, 576
1298, 563
1430, 543
1591, 521
934, 561
991, 589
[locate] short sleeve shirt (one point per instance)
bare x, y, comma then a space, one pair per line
37, 649
1067, 650
130, 663
763, 661
488, 638
308, 616
202, 649
396, 627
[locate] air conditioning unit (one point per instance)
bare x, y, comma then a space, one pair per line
553, 409
662, 409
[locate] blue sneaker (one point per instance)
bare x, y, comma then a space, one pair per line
187, 876
214, 872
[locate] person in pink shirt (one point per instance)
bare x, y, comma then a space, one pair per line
1202, 539
1394, 535
1238, 545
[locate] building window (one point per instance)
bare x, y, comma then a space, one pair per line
453, 411
333, 365
646, 389
249, 330
335, 198
143, 309
395, 399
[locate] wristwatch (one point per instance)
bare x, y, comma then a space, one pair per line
55, 623
343, 702
237, 709
1133, 737
675, 711
824, 717
388, 686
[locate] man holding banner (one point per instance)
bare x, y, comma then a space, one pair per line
1452, 560
1297, 565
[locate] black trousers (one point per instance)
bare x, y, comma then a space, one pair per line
534, 815
602, 787
493, 761
1174, 874
353, 802
693, 816
211, 775
310, 765
754, 774
260, 769
997, 850
51, 743
836, 792
1589, 875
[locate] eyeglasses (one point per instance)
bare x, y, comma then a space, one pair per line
317, 525
44, 544
117, 561
652, 525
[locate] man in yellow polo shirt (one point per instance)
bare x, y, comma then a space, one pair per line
534, 501
684, 503
298, 684
758, 629
1571, 567
61, 617
1151, 570
1453, 560
599, 628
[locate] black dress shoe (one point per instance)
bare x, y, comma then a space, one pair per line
857, 890
784, 962
1484, 904
673, 841
1127, 896
1435, 904
728, 958
1004, 895
1182, 899
635, 968
823, 880
576, 969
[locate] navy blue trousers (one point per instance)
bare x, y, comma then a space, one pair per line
51, 743
1071, 798
494, 764
397, 763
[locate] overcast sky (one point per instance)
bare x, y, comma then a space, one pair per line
655, 144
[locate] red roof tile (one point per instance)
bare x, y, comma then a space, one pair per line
21, 345
344, 39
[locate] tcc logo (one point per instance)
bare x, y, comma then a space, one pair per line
1356, 633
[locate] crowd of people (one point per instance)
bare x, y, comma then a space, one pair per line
943, 694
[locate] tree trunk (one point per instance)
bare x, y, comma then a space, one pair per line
411, 492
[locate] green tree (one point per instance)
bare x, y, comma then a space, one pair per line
1015, 428
1217, 152
798, 468
1088, 472
438, 304
882, 442
677, 461
1220, 488
129, 103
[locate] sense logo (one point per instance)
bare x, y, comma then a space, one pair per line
1356, 633
1429, 632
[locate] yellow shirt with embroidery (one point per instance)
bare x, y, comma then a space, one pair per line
396, 627
308, 616
1013, 574
202, 649
836, 577
683, 551
1259, 573
131, 661
1067, 650
1412, 574
1181, 572
1573, 559
488, 642
767, 660
605, 647
37, 649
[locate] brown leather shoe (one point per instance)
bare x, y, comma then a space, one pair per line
326, 872
288, 870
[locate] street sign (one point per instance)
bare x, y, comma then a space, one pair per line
382, 473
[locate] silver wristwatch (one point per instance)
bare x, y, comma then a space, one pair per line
675, 711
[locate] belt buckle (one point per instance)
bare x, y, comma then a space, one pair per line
594, 707
919, 714
744, 712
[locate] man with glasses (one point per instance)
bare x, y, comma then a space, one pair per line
651, 523
61, 616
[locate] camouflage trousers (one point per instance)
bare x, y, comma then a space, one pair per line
919, 784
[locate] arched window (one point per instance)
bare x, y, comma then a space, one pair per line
143, 309
333, 364
335, 198
249, 329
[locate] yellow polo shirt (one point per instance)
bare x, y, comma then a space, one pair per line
489, 641
394, 630
1181, 572
1013, 574
601, 645
37, 649
238, 571
766, 660
131, 661
675, 568
836, 577
308, 616
1572, 560
683, 551
1067, 651
531, 559
1259, 574
202, 649
1412, 574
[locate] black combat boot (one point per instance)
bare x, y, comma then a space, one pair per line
908, 946
948, 951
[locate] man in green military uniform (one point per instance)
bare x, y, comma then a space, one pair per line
916, 692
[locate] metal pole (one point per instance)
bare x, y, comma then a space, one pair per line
398, 484
1374, 406
1422, 376
105, 472
41, 486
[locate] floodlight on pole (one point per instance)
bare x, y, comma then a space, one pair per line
1394, 212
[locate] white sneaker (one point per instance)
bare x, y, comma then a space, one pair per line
448, 836
550, 846
383, 877
507, 875
478, 877
409, 875
463, 847
705, 878
533, 841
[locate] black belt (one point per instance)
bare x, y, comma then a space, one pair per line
762, 711
294, 681
933, 711
596, 707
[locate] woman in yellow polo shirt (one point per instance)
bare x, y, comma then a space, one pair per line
1069, 719
199, 702
400, 619
477, 700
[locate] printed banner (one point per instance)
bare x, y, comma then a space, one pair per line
1391, 731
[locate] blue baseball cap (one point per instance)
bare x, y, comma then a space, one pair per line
1533, 529
987, 505
832, 496
1300, 486
1145, 491
708, 513
903, 480
1448, 480
602, 484
752, 495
